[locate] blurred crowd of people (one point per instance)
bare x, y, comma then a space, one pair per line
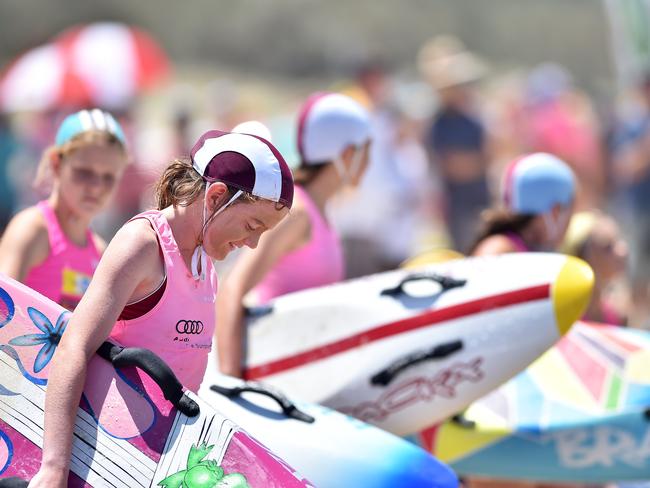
441, 145
435, 172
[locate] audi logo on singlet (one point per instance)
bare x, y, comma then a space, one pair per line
189, 326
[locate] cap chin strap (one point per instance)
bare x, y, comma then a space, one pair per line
199, 256
553, 226
347, 175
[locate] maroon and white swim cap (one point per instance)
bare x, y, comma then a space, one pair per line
327, 124
246, 162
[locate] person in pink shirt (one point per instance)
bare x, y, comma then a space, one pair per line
537, 204
50, 246
304, 251
156, 278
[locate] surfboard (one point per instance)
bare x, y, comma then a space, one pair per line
407, 348
129, 431
329, 448
578, 414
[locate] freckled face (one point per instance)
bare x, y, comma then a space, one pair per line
240, 225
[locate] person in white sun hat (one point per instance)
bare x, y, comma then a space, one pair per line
304, 251
156, 272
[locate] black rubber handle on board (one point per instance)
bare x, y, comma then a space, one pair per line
385, 376
258, 311
13, 482
156, 368
446, 282
462, 421
288, 407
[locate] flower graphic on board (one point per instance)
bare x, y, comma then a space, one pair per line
6, 451
7, 308
203, 473
48, 340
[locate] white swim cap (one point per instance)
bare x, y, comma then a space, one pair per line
328, 123
254, 128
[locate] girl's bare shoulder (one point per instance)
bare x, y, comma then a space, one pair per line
494, 245
28, 230
135, 242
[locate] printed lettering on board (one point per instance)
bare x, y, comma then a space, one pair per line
603, 446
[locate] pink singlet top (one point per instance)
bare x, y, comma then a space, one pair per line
180, 326
317, 263
517, 242
610, 314
65, 274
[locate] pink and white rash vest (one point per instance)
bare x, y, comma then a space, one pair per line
317, 263
180, 326
65, 274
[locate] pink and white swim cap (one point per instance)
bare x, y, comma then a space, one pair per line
327, 124
246, 162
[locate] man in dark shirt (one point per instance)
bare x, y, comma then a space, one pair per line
457, 149
456, 140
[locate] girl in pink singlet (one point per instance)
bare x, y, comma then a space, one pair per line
50, 246
537, 204
304, 251
596, 238
155, 285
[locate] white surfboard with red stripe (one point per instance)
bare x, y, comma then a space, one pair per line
407, 348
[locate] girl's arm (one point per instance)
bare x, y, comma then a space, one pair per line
25, 244
100, 243
131, 258
250, 268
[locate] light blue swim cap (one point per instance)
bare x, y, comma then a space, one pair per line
535, 183
87, 120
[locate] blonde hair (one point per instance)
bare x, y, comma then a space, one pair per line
84, 139
579, 232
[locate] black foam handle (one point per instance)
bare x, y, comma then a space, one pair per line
445, 282
258, 311
288, 407
156, 368
385, 376
462, 421
13, 482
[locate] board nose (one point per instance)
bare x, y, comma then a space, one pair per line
571, 292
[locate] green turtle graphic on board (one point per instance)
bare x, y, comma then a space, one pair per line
203, 473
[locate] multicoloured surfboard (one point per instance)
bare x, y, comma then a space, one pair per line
579, 413
407, 348
126, 433
330, 448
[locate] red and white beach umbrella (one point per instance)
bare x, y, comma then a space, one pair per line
103, 64
39, 80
